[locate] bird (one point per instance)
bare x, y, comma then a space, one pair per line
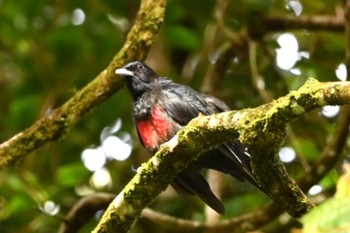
161, 107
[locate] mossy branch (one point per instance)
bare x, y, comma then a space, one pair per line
262, 129
57, 123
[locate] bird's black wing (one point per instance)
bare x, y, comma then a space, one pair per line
184, 104
237, 159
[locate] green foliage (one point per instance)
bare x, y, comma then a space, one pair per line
45, 58
26, 106
72, 174
333, 215
189, 40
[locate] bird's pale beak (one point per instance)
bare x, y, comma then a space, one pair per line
123, 71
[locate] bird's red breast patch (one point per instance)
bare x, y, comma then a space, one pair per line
154, 130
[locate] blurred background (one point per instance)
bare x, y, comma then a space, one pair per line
51, 49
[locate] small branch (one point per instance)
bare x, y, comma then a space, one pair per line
330, 154
259, 26
257, 78
219, 16
216, 71
57, 123
261, 129
84, 210
241, 224
321, 22
171, 223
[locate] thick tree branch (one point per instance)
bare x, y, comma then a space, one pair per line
255, 219
261, 129
57, 123
328, 158
87, 206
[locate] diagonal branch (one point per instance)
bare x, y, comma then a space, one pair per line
57, 123
78, 215
328, 158
261, 129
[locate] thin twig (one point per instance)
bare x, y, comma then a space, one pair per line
84, 210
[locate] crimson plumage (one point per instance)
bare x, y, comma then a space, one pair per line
161, 107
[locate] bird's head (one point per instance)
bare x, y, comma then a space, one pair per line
138, 77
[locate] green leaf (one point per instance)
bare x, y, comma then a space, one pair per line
72, 174
182, 37
332, 217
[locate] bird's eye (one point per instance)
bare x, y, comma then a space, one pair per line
142, 73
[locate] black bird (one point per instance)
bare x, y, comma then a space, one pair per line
161, 107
